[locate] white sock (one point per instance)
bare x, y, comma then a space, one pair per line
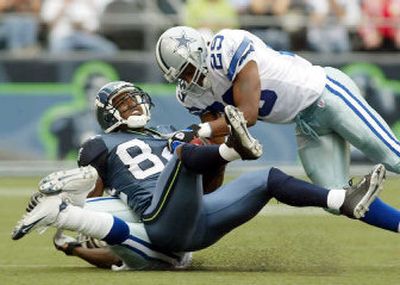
227, 153
91, 223
336, 198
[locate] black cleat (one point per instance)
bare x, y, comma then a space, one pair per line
360, 196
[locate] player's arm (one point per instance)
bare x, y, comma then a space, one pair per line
99, 257
214, 179
246, 96
98, 189
247, 92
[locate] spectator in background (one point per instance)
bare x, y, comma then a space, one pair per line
241, 6
210, 14
380, 28
327, 30
275, 34
20, 25
72, 129
72, 25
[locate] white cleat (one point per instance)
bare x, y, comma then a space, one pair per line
42, 215
360, 196
77, 179
240, 138
75, 183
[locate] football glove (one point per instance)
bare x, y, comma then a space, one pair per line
182, 136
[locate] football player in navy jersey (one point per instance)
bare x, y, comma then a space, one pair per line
238, 68
165, 191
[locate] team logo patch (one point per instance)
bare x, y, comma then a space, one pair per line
180, 136
183, 41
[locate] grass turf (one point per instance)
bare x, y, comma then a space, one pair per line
270, 249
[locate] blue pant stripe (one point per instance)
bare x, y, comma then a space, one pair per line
152, 247
387, 132
357, 112
91, 200
141, 253
147, 252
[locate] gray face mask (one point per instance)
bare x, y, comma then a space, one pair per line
194, 88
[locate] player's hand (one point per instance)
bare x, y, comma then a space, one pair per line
182, 136
65, 243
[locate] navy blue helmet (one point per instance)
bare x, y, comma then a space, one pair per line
108, 115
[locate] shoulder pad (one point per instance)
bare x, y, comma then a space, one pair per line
91, 150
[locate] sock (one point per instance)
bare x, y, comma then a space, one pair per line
94, 224
295, 192
118, 233
202, 159
336, 198
228, 153
383, 216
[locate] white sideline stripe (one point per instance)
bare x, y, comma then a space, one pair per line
268, 210
40, 266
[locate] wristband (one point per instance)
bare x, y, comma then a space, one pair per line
71, 246
205, 130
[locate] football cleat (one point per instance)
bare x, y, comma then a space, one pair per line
77, 179
360, 196
42, 215
240, 139
74, 183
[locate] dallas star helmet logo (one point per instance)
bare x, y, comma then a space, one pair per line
183, 41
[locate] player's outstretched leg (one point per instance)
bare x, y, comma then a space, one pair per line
360, 196
240, 139
56, 211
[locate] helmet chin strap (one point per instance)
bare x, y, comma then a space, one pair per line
135, 122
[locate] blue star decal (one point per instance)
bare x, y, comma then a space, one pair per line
183, 41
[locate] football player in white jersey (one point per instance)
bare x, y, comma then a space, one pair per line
237, 68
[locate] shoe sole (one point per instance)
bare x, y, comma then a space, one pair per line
376, 186
55, 182
237, 121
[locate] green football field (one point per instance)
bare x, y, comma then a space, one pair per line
282, 245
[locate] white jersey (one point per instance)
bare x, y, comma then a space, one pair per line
289, 83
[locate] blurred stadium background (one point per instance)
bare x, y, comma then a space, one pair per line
55, 54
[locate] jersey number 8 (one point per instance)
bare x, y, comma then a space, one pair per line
134, 162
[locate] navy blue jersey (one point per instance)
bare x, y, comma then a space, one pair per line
129, 163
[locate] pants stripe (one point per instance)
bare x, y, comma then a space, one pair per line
152, 247
377, 121
148, 253
366, 116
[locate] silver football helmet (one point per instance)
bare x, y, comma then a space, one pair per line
176, 49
